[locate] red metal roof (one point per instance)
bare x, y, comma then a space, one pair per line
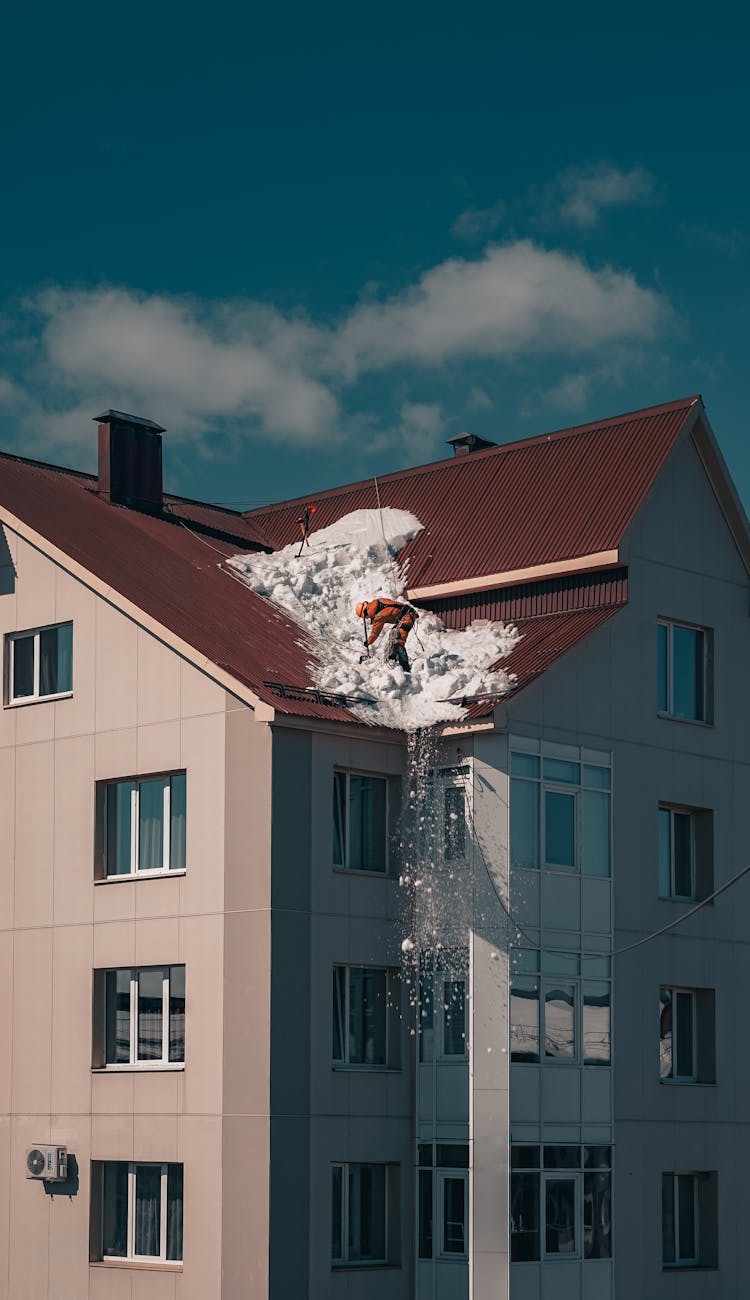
511, 507
556, 497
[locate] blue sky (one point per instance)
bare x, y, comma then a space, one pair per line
315, 241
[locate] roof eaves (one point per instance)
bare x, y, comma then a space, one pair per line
264, 712
489, 581
722, 483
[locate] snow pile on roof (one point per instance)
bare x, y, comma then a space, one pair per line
353, 560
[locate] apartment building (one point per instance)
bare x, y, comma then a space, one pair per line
204, 997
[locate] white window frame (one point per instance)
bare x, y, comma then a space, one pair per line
438, 1215
35, 632
163, 1063
670, 625
574, 790
574, 1176
685, 812
344, 1261
685, 1261
135, 871
343, 1063
439, 979
673, 990
580, 982
345, 866
161, 1258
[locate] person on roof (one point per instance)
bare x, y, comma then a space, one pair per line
396, 613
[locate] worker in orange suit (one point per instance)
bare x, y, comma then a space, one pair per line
393, 612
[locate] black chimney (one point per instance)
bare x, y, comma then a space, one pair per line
464, 443
130, 461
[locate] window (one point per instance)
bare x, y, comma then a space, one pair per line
443, 1199
365, 1016
143, 1015
686, 1035
39, 663
561, 1013
360, 1209
560, 814
442, 1015
136, 1211
454, 803
689, 1220
560, 1202
683, 690
685, 852
360, 822
141, 826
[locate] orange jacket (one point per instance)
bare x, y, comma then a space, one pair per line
381, 612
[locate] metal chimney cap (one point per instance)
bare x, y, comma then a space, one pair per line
468, 442
120, 417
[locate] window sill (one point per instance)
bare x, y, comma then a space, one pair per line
344, 1068
141, 875
687, 1083
37, 699
145, 1067
358, 1268
690, 722
371, 875
159, 1266
690, 1268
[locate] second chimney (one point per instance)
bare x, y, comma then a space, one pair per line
130, 470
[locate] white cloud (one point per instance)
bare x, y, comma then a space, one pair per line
478, 223
584, 192
241, 367
515, 298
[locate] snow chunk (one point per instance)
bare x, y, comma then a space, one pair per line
353, 560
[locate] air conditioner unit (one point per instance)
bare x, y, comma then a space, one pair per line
49, 1163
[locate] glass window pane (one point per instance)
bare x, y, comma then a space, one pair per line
686, 1216
525, 959
117, 1017
452, 1155
524, 1019
115, 1209
598, 777
665, 853
454, 1018
559, 769
559, 1021
662, 632
561, 963
177, 809
559, 829
560, 1213
597, 1157
562, 1157
454, 1214
682, 823
426, 1018
337, 1216
151, 824
667, 1219
596, 1026
524, 764
177, 1013
148, 1210
48, 661
665, 1034
150, 1014
595, 836
455, 823
367, 1016
687, 672
524, 1217
367, 823
23, 667
683, 1006
597, 1216
174, 1212
366, 1213
425, 1214
338, 1012
339, 819
64, 671
524, 1157
117, 812
425, 1153
524, 823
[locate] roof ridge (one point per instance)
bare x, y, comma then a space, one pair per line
505, 448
